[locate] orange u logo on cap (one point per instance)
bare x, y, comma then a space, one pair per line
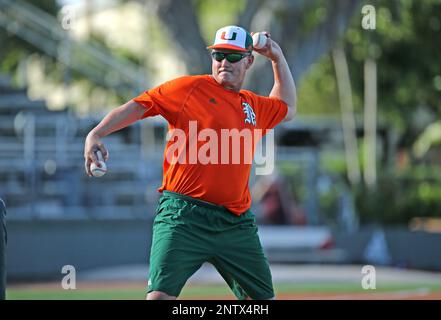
223, 36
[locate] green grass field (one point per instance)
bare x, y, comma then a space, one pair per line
211, 291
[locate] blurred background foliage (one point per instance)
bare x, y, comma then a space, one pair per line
415, 192
14, 48
409, 101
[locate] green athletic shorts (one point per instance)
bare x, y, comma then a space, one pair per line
188, 232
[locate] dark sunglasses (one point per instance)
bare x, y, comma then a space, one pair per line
231, 57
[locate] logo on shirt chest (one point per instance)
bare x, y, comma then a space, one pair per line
249, 113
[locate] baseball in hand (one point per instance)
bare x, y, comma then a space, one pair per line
98, 171
259, 40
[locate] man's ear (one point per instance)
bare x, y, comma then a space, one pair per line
250, 61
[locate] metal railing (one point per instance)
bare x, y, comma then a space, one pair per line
95, 62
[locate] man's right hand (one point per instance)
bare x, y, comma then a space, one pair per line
91, 146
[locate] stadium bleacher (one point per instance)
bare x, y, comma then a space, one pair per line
42, 165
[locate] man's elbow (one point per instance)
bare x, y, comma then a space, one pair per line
136, 109
292, 110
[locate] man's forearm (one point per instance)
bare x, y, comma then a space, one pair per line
119, 118
284, 87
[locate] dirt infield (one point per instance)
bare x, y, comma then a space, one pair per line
398, 295
349, 296
291, 282
330, 296
136, 291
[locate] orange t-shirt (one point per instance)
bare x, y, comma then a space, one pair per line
203, 113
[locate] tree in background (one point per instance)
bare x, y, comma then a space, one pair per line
409, 70
305, 29
14, 48
404, 46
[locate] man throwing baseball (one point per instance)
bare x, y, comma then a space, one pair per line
204, 214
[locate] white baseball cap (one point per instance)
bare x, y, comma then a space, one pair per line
232, 38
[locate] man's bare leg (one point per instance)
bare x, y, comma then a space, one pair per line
159, 295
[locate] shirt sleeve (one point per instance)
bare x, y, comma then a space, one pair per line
166, 99
269, 111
